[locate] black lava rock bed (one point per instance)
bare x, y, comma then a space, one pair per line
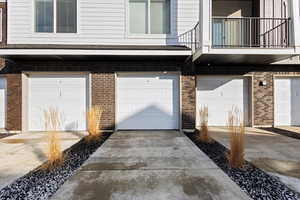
256, 183
40, 184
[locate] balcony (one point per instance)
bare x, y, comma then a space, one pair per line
250, 32
233, 32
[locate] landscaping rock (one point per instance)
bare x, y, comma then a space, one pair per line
40, 184
258, 184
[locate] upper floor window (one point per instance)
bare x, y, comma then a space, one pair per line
149, 16
66, 16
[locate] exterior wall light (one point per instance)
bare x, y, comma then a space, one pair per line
262, 83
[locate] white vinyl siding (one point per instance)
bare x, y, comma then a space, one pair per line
287, 101
221, 94
99, 22
2, 102
147, 101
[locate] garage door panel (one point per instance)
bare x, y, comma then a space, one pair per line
66, 93
148, 101
286, 101
220, 94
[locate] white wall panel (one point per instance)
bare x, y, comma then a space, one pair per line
99, 22
221, 94
287, 101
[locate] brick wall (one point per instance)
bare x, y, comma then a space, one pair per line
263, 104
188, 95
103, 86
263, 96
14, 102
102, 82
103, 94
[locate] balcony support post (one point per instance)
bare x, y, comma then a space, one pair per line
295, 24
205, 18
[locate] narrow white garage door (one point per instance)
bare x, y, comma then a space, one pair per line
220, 94
287, 101
148, 101
2, 102
67, 93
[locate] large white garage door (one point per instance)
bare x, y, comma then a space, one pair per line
220, 94
67, 93
2, 102
287, 101
148, 101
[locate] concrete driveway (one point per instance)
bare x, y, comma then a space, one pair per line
276, 154
149, 165
19, 154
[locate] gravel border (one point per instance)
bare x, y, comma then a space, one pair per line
40, 184
255, 182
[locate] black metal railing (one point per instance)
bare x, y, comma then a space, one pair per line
244, 32
250, 32
191, 38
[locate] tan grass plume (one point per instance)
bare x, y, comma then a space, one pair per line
52, 126
237, 139
204, 133
94, 115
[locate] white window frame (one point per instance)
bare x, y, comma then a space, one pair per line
149, 35
55, 19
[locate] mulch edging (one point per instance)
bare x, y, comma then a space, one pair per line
253, 181
40, 184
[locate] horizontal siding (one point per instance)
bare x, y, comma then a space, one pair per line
100, 22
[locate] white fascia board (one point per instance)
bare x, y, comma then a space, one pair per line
81, 52
254, 51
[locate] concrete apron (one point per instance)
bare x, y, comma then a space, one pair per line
276, 154
149, 165
20, 154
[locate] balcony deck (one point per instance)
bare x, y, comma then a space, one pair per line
241, 40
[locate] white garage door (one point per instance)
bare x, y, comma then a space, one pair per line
287, 101
220, 94
66, 93
2, 102
147, 101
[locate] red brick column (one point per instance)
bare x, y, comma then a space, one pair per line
103, 94
263, 103
188, 98
14, 102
